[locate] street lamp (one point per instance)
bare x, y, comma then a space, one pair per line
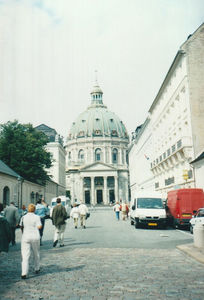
19, 187
185, 175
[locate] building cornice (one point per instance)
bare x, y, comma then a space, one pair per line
172, 68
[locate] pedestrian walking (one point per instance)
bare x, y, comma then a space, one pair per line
41, 211
116, 209
75, 214
30, 225
124, 209
83, 211
59, 215
5, 232
12, 216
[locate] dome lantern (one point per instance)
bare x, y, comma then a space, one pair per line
96, 93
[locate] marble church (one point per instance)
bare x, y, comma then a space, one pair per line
97, 155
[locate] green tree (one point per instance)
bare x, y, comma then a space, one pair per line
22, 148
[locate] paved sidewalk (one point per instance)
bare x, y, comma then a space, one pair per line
103, 274
194, 252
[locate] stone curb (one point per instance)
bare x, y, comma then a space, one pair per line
192, 251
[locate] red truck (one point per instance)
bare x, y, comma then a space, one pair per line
182, 204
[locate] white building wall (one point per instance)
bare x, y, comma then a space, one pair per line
167, 139
199, 173
57, 171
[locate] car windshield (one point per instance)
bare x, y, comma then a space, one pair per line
200, 213
149, 203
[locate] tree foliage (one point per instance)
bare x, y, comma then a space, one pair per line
22, 148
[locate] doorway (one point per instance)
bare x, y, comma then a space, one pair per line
6, 196
111, 196
87, 197
99, 196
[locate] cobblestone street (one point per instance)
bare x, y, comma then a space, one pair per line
79, 271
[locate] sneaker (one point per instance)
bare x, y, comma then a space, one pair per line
62, 245
75, 227
84, 227
55, 243
23, 276
37, 271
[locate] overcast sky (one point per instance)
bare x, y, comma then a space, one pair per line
49, 50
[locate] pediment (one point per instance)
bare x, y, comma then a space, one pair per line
98, 167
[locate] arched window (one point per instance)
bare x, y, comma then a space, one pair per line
114, 156
69, 155
98, 154
6, 196
81, 155
127, 158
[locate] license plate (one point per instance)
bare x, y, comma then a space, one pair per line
186, 215
152, 224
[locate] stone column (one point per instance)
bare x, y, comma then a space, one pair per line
72, 189
82, 190
110, 155
116, 188
126, 192
105, 190
92, 155
120, 156
92, 191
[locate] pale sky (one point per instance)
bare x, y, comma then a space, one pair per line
49, 50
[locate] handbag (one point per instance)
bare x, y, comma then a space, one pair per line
87, 215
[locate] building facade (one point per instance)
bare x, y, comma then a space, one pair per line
173, 133
14, 188
97, 155
56, 148
198, 167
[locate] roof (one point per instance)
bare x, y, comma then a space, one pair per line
97, 121
7, 170
175, 62
200, 157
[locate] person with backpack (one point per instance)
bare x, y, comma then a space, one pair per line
59, 215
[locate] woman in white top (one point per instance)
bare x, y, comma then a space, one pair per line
75, 214
116, 209
30, 225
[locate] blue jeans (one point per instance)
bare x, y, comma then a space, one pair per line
117, 213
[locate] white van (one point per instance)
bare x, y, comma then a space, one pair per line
147, 209
65, 202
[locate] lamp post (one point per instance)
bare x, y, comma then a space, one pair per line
185, 175
19, 188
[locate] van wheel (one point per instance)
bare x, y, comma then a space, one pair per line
191, 229
137, 224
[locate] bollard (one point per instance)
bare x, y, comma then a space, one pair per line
198, 235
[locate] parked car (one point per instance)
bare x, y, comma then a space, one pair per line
65, 201
198, 218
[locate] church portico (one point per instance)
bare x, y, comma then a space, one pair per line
99, 189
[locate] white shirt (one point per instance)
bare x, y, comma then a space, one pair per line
116, 207
83, 209
74, 212
30, 223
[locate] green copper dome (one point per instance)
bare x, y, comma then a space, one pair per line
97, 120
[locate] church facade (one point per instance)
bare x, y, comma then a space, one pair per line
97, 155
